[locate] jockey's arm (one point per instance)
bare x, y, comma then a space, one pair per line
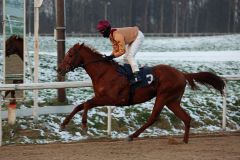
118, 45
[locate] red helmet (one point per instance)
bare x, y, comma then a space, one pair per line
102, 25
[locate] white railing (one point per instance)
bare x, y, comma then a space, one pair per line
227, 78
79, 84
37, 86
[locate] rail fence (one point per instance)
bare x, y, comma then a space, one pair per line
81, 84
146, 34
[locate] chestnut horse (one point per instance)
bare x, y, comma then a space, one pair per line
111, 88
14, 45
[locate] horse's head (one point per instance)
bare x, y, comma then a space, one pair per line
14, 44
72, 60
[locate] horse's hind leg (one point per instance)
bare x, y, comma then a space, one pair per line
180, 113
158, 106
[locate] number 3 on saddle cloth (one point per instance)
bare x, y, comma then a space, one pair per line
145, 74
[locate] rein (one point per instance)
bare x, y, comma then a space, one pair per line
95, 61
76, 57
72, 67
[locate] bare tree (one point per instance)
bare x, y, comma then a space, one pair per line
130, 14
145, 19
161, 16
150, 15
235, 14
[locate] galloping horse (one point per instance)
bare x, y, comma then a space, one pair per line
111, 88
14, 45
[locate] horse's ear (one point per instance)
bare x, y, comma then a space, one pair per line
15, 36
82, 44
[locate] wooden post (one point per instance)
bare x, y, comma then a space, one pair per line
109, 126
3, 57
60, 31
1, 134
37, 4
12, 111
224, 113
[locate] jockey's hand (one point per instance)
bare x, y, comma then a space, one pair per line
109, 57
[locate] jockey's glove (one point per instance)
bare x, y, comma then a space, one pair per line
110, 57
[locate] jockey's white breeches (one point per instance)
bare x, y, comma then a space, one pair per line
131, 51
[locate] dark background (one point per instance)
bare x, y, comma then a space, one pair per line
152, 16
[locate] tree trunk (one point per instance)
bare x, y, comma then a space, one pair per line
60, 26
146, 16
161, 15
235, 19
229, 16
130, 23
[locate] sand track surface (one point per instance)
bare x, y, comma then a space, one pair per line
203, 147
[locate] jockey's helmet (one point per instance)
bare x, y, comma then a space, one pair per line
104, 27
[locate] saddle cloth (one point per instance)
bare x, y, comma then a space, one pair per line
145, 73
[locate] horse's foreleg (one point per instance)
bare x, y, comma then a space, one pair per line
180, 113
158, 106
87, 105
69, 117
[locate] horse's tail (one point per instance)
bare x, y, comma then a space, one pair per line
205, 78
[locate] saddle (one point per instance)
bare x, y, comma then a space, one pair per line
145, 74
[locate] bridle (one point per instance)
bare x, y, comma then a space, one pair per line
74, 66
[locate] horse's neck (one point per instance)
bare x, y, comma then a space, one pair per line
20, 49
96, 66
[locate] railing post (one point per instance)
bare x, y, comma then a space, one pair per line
12, 111
109, 125
60, 38
224, 107
1, 134
37, 5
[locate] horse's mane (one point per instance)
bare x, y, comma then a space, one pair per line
94, 51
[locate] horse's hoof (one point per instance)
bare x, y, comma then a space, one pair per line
129, 139
84, 130
62, 128
12, 133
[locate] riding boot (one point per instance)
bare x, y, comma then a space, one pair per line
136, 78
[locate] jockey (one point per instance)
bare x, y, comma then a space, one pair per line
126, 40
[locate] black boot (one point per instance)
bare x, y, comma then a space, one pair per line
136, 78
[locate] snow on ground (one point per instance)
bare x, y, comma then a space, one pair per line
218, 54
206, 56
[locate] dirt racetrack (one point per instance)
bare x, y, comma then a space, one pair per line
217, 147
